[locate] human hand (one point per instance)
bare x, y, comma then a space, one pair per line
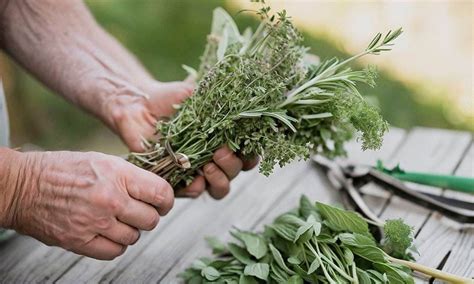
134, 117
90, 203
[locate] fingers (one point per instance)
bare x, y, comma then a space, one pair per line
249, 164
219, 184
139, 215
150, 188
228, 162
122, 234
194, 190
101, 248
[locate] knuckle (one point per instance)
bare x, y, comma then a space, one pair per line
118, 115
165, 197
130, 238
104, 223
115, 205
210, 169
109, 200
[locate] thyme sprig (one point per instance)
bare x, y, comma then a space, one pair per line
258, 94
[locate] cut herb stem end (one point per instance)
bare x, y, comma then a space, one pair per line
451, 278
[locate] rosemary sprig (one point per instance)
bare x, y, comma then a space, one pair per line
258, 95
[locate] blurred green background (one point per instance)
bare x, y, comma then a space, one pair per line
164, 34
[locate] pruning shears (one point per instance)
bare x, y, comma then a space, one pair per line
457, 183
349, 178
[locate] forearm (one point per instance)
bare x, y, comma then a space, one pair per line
61, 44
13, 181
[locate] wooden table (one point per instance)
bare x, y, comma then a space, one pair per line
255, 200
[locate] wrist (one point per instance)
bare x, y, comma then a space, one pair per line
18, 173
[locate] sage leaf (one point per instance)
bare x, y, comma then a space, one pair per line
240, 254
301, 230
295, 279
216, 245
307, 208
314, 265
279, 260
210, 273
244, 279
259, 270
255, 245
285, 231
293, 260
363, 277
343, 221
348, 256
199, 264
394, 274
370, 253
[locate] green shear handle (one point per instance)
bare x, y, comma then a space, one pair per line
458, 183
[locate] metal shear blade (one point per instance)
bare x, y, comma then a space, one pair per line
351, 178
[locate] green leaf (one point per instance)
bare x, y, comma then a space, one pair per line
240, 254
317, 115
295, 279
348, 256
244, 279
255, 244
370, 253
279, 259
394, 274
311, 226
377, 277
286, 119
343, 221
277, 273
356, 240
259, 270
363, 247
290, 219
210, 273
199, 264
223, 44
363, 277
216, 245
301, 230
293, 260
190, 70
285, 231
307, 208
314, 265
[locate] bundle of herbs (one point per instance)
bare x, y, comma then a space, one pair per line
315, 243
262, 95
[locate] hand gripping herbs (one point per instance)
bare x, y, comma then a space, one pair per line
315, 243
262, 94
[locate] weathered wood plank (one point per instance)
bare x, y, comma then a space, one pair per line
428, 150
89, 270
460, 246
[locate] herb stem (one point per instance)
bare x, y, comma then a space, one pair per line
432, 271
